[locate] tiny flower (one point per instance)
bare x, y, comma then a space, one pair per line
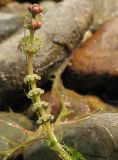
35, 8
34, 24
37, 25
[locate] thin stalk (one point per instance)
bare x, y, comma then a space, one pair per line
55, 144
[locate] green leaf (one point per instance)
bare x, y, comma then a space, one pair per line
75, 155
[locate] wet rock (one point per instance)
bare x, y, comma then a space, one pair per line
17, 118
9, 24
99, 54
96, 138
60, 37
94, 63
12, 133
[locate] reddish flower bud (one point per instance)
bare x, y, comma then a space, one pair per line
34, 24
37, 25
35, 8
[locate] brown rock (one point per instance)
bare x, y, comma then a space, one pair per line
100, 53
95, 61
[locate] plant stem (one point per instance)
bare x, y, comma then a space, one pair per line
47, 126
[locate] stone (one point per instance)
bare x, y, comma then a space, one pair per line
14, 132
18, 118
9, 24
103, 11
98, 55
96, 136
94, 64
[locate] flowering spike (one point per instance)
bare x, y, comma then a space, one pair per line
35, 8
31, 45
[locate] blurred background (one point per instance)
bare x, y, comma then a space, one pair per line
11, 6
3, 2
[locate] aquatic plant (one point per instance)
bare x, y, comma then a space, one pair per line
31, 45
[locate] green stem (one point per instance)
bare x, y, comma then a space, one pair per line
55, 144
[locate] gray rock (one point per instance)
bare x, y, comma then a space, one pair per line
9, 24
18, 118
95, 137
103, 11
13, 132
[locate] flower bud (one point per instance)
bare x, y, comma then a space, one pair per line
35, 8
37, 25
34, 24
